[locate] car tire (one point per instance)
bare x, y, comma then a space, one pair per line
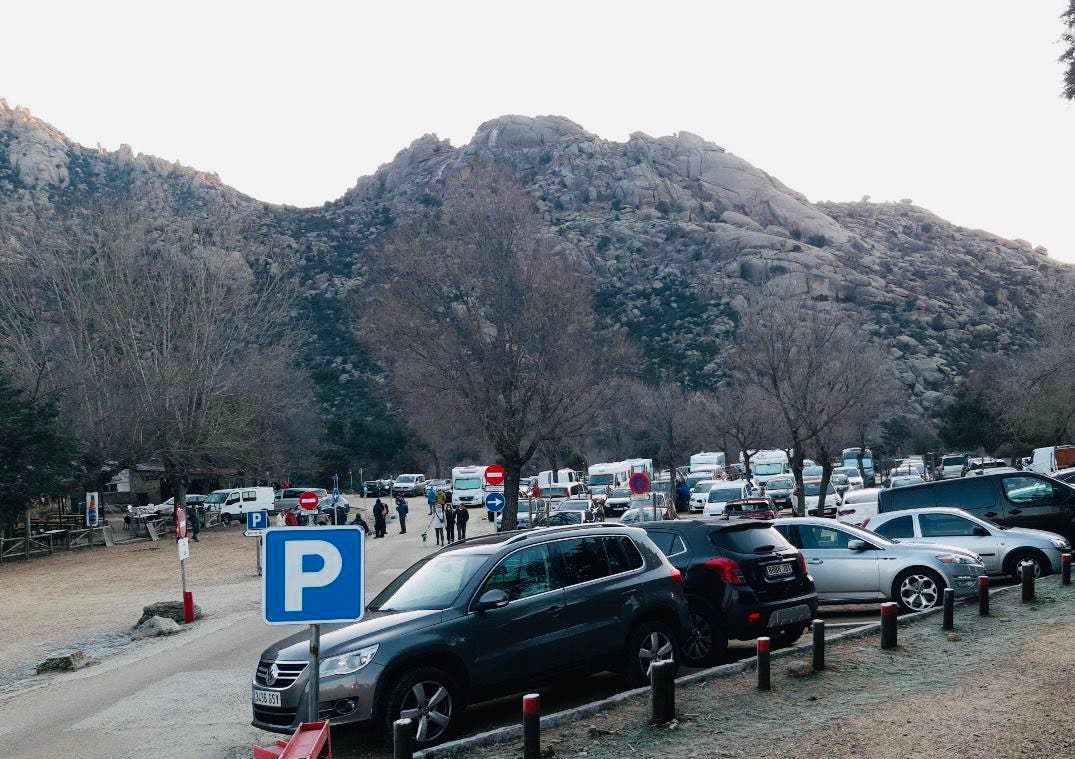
650, 640
918, 589
226, 519
786, 636
1041, 564
704, 644
441, 695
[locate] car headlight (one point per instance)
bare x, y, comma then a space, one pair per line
1060, 544
345, 664
954, 558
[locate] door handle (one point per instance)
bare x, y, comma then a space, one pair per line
1013, 511
554, 609
992, 514
815, 561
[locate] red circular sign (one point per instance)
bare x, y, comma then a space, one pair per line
180, 522
639, 483
309, 500
494, 475
536, 491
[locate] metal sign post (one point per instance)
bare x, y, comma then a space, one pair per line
256, 524
314, 710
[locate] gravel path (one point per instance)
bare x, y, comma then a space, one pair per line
998, 690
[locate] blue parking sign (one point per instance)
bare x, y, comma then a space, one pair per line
257, 520
313, 575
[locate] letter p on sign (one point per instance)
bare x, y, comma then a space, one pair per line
313, 575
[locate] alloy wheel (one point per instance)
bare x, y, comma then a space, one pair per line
700, 640
919, 592
429, 707
655, 647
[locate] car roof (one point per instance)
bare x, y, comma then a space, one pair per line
885, 516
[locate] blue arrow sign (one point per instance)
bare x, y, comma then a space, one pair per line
495, 502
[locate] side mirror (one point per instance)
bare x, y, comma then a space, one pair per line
980, 532
491, 599
857, 545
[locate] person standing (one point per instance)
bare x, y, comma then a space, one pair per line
291, 519
402, 509
462, 516
437, 523
281, 519
380, 515
449, 522
431, 497
195, 522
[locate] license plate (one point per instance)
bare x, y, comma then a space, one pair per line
266, 697
778, 570
782, 617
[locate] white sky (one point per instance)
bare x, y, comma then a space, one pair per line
954, 104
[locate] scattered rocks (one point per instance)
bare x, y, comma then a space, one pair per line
800, 669
65, 663
156, 626
172, 610
953, 638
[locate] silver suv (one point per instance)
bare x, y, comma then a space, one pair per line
1002, 548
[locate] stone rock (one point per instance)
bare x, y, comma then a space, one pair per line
953, 638
65, 663
156, 626
172, 610
739, 220
800, 669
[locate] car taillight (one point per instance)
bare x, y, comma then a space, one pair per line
728, 570
754, 617
677, 575
802, 563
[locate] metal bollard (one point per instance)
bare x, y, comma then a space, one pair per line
1026, 571
983, 596
764, 648
1065, 568
532, 726
888, 624
662, 685
819, 645
402, 739
949, 622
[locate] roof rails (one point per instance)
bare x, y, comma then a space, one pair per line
562, 528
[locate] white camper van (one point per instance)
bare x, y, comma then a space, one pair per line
468, 485
234, 503
708, 461
613, 474
765, 465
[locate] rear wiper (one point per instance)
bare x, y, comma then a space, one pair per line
765, 549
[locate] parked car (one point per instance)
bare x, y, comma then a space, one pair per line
527, 509
853, 475
742, 579
951, 466
983, 464
563, 491
376, 488
1065, 475
700, 494
978, 472
909, 469
858, 505
167, 508
903, 480
1052, 459
618, 501
1019, 499
721, 493
812, 471
288, 498
850, 565
640, 514
779, 490
234, 503
483, 619
1002, 549
840, 482
750, 508
561, 518
409, 485
812, 490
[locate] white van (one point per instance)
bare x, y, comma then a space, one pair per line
234, 503
562, 476
613, 474
765, 465
468, 485
707, 461
1052, 459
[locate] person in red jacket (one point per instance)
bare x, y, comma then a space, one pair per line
290, 520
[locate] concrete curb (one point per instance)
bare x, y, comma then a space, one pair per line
511, 732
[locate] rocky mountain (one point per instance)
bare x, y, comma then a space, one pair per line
677, 230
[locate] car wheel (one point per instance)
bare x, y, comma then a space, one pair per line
1040, 567
649, 642
429, 697
704, 644
226, 518
918, 589
786, 636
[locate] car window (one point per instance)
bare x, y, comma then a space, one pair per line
748, 538
670, 543
900, 527
432, 583
522, 574
584, 560
813, 536
945, 525
250, 495
232, 499
1027, 489
623, 556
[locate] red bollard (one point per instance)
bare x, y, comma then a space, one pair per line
983, 596
532, 726
1065, 568
889, 611
764, 648
188, 607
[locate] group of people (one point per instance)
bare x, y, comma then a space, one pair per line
380, 517
449, 522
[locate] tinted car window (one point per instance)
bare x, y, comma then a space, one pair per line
1027, 489
584, 560
938, 525
670, 543
748, 538
622, 555
814, 536
901, 527
522, 574
969, 493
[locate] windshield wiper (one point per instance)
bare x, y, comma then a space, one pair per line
765, 549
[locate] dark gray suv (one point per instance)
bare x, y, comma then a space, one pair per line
485, 618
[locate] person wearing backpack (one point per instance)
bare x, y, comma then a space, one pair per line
402, 509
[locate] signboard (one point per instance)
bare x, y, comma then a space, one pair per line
309, 500
495, 502
183, 544
639, 483
257, 520
494, 475
536, 491
180, 522
93, 512
313, 575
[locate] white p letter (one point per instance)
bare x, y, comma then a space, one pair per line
296, 580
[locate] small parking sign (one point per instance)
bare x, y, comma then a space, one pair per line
257, 520
313, 575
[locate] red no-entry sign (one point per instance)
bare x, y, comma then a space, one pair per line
309, 500
180, 522
494, 475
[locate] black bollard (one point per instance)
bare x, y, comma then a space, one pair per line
819, 645
1065, 568
532, 726
949, 610
1026, 571
888, 624
662, 685
764, 680
402, 739
983, 596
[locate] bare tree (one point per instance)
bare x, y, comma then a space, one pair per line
481, 311
741, 412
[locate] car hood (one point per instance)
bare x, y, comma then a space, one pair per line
1026, 532
936, 547
376, 627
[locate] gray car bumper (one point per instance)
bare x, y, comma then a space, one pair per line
344, 700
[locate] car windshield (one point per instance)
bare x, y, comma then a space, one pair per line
524, 505
622, 493
554, 492
812, 471
572, 504
561, 518
953, 461
780, 482
718, 495
749, 538
767, 469
217, 498
849, 472
694, 479
602, 480
704, 486
432, 583
407, 478
814, 488
467, 483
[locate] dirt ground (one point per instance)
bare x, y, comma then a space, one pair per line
1000, 690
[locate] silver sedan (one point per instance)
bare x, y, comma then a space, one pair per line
850, 565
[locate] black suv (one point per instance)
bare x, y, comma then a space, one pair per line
742, 580
485, 618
